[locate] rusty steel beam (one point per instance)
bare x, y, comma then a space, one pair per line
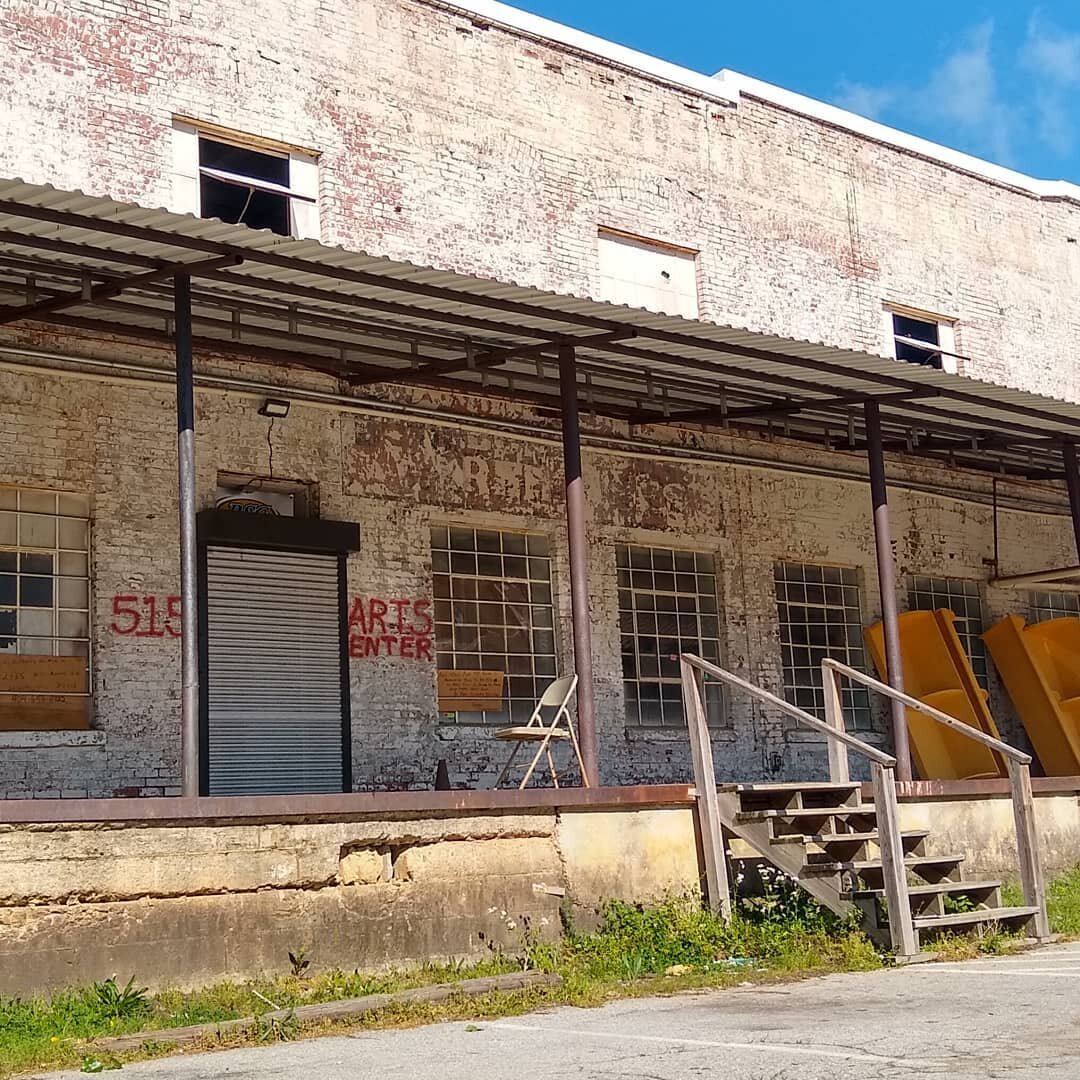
249, 809
474, 300
98, 293
579, 565
790, 408
493, 357
185, 460
886, 568
88, 251
1072, 481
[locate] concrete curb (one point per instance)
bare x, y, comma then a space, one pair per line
338, 1010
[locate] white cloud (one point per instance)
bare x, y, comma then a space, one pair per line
959, 95
865, 100
1051, 54
962, 93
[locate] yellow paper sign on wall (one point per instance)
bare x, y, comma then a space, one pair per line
470, 691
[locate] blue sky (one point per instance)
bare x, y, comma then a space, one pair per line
999, 79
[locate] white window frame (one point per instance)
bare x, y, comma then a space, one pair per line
302, 192
616, 289
946, 327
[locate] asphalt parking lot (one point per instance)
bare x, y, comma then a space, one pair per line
1016, 1017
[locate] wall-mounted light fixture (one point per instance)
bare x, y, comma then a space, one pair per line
275, 407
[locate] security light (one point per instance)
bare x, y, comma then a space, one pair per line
274, 407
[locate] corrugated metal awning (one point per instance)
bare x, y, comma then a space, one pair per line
101, 266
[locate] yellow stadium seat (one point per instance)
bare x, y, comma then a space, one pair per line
1040, 666
938, 672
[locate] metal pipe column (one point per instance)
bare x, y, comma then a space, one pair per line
185, 456
579, 561
1072, 480
886, 569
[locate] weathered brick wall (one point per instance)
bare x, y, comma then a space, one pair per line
396, 476
451, 143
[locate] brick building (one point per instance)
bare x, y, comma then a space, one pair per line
490, 143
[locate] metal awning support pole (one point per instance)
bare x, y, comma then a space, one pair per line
185, 455
1072, 479
879, 495
579, 561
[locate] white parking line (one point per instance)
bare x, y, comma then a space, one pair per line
763, 1048
1012, 972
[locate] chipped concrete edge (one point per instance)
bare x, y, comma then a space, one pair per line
337, 1010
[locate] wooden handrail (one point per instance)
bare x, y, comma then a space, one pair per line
803, 717
882, 770
1002, 748
1017, 764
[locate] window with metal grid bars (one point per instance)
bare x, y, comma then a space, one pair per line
820, 616
44, 573
964, 600
1053, 605
494, 612
667, 606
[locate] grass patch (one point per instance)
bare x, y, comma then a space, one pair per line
1062, 901
634, 950
671, 946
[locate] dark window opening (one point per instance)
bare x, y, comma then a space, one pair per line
918, 330
231, 199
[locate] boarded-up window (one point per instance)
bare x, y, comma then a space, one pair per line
44, 605
647, 274
494, 612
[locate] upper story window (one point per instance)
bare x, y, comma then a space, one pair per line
245, 180
647, 274
921, 338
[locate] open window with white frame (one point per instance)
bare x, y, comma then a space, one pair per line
921, 337
245, 179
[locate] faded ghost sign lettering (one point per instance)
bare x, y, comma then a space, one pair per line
401, 628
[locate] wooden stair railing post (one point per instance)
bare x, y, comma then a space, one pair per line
894, 872
1027, 844
839, 772
708, 809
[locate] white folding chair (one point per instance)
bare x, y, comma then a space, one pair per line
557, 696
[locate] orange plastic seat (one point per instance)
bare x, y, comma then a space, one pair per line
1040, 666
938, 672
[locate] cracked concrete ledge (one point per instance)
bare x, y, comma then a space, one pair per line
59, 866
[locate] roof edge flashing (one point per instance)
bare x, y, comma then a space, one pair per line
536, 26
834, 115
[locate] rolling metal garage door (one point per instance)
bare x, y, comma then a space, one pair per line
273, 672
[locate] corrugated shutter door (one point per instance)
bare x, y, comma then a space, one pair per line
274, 702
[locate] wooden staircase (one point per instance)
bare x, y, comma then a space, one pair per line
826, 837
